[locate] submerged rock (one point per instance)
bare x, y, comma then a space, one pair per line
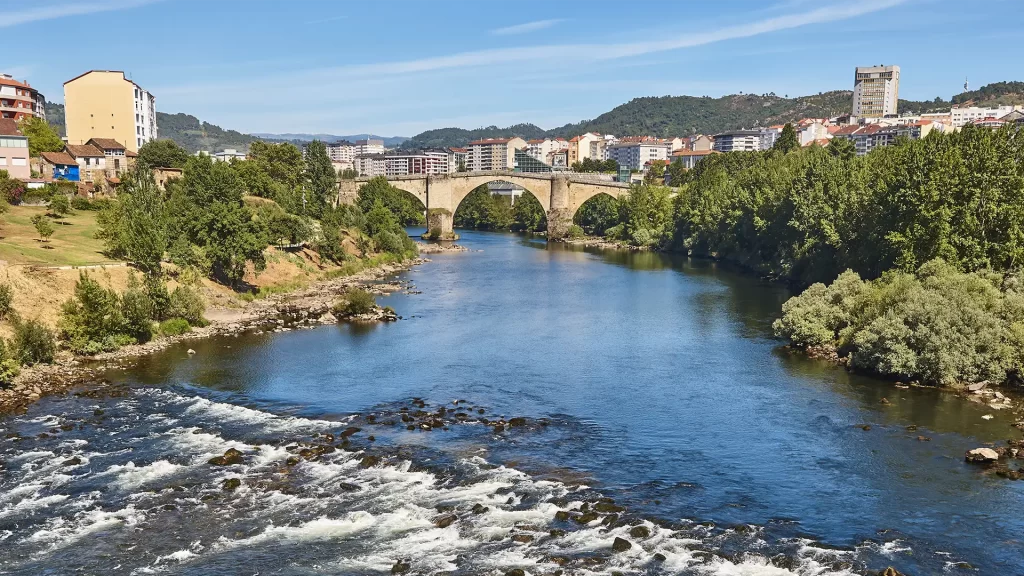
230, 484
445, 521
640, 532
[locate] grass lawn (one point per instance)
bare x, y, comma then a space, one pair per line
73, 242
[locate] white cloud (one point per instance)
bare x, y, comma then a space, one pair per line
15, 18
527, 27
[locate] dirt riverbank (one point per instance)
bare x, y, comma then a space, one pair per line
306, 306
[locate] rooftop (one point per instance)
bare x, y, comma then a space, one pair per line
83, 150
61, 158
9, 127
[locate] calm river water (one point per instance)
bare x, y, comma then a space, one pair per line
641, 378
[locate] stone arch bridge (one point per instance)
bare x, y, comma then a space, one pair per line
561, 195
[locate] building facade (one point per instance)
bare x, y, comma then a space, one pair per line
18, 99
368, 146
970, 114
370, 164
636, 155
690, 158
494, 153
876, 91
458, 159
425, 162
14, 150
105, 104
342, 151
738, 141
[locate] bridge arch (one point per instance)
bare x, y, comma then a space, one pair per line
540, 189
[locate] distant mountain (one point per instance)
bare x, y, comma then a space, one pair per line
389, 141
459, 137
188, 131
996, 94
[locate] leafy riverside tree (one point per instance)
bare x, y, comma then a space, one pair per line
598, 214
206, 212
788, 140
321, 179
528, 215
481, 210
134, 226
41, 136
592, 165
403, 205
162, 153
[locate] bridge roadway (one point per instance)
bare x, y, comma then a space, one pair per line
561, 195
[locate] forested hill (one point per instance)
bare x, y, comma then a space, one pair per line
685, 115
188, 131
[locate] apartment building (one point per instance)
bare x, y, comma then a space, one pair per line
769, 135
494, 153
425, 162
19, 99
343, 151
636, 154
369, 146
14, 150
105, 104
971, 114
539, 149
690, 158
370, 164
458, 158
738, 141
876, 91
700, 143
869, 136
585, 146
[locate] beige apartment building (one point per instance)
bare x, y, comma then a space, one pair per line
876, 91
105, 104
494, 153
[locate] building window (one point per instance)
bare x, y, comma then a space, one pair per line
19, 161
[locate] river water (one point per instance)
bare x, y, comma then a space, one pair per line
642, 379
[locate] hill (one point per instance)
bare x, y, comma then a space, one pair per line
996, 94
389, 141
188, 131
459, 137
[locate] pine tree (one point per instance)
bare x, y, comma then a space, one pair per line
787, 141
321, 179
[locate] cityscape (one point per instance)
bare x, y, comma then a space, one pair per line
543, 289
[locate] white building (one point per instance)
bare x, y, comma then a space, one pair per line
768, 136
228, 154
370, 164
341, 151
876, 91
145, 116
812, 131
540, 149
966, 115
494, 153
458, 158
369, 146
426, 162
738, 141
635, 155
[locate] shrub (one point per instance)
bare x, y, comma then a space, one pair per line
159, 297
33, 343
434, 234
388, 241
575, 231
174, 327
186, 302
137, 309
357, 301
6, 300
9, 367
98, 319
81, 203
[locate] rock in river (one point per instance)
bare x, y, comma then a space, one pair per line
982, 455
230, 457
621, 545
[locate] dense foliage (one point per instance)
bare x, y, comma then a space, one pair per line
403, 205
592, 165
162, 153
482, 210
938, 325
41, 136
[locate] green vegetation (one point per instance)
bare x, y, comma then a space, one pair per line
135, 226
43, 227
6, 300
591, 165
405, 207
174, 327
11, 189
60, 205
41, 136
788, 140
73, 244
32, 342
321, 179
162, 153
481, 210
356, 302
598, 214
937, 325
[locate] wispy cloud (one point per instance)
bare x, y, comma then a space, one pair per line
527, 27
49, 12
323, 20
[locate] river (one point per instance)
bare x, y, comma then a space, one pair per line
641, 378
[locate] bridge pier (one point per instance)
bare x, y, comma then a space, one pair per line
560, 214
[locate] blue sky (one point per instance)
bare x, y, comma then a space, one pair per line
400, 67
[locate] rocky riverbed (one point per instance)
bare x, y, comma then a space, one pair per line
307, 307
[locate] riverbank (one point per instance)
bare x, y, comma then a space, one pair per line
304, 307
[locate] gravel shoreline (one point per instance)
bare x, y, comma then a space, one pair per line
307, 306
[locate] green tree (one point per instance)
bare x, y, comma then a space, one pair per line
321, 179
60, 206
787, 140
528, 215
598, 214
43, 227
162, 153
134, 226
406, 208
207, 212
283, 163
348, 174
41, 136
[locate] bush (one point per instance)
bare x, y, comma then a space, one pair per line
33, 343
575, 231
389, 242
82, 203
174, 327
137, 309
187, 303
9, 367
6, 300
434, 234
159, 297
357, 301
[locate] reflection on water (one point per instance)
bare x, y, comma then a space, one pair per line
665, 390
